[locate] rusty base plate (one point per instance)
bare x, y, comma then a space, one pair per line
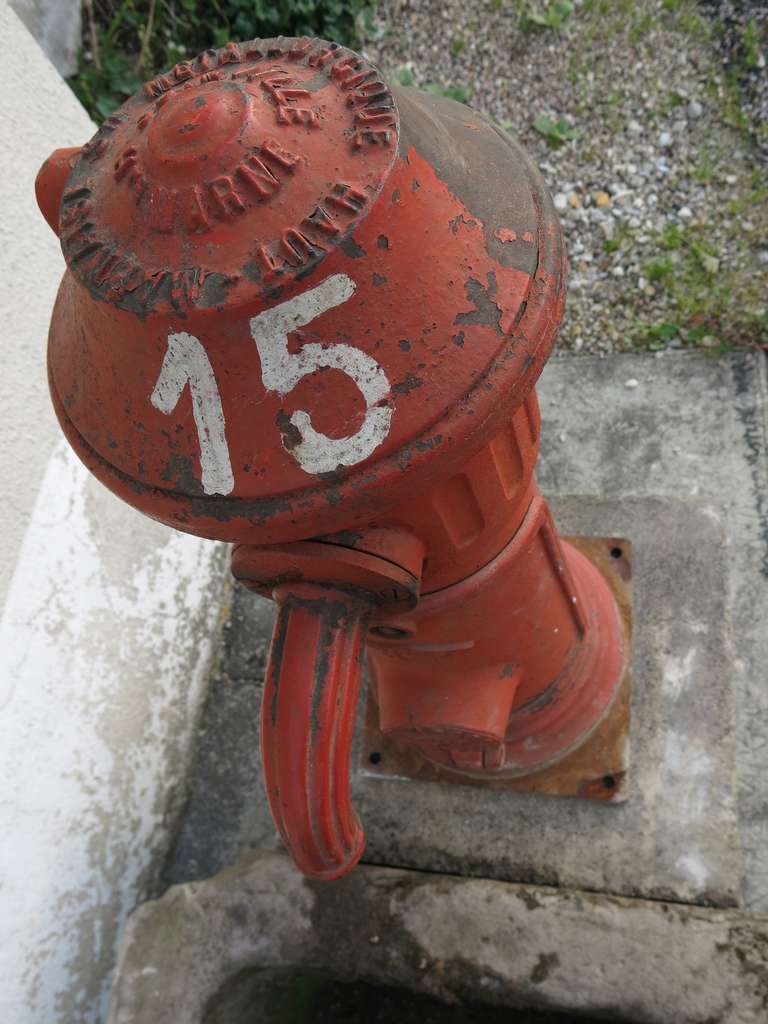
597, 770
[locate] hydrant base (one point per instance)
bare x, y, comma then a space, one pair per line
595, 770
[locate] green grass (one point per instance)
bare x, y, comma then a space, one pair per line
129, 41
707, 299
551, 14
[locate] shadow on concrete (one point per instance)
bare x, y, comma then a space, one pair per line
300, 996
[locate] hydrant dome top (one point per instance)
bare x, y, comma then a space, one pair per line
196, 175
295, 295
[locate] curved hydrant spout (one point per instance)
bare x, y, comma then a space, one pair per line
307, 720
326, 591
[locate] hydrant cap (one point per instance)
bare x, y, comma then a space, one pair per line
191, 180
295, 297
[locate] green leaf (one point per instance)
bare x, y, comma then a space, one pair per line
106, 105
555, 132
668, 331
659, 270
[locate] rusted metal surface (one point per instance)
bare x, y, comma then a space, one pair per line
597, 769
386, 563
305, 313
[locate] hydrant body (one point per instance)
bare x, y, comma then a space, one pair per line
305, 315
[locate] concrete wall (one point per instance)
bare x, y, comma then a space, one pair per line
56, 25
107, 626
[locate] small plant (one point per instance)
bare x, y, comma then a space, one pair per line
557, 133
703, 172
659, 270
695, 335
404, 76
611, 245
457, 45
554, 15
641, 27
751, 43
672, 237
453, 92
658, 336
712, 301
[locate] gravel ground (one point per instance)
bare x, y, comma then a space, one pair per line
743, 32
663, 190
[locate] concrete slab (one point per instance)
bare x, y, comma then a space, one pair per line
676, 834
693, 427
454, 938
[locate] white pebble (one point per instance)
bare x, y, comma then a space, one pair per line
684, 213
665, 140
561, 201
631, 383
694, 110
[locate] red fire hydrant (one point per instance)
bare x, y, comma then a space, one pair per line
305, 313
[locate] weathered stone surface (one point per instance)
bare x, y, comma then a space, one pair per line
675, 837
55, 25
629, 960
226, 806
696, 426
692, 429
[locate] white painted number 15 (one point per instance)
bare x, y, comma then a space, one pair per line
187, 362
